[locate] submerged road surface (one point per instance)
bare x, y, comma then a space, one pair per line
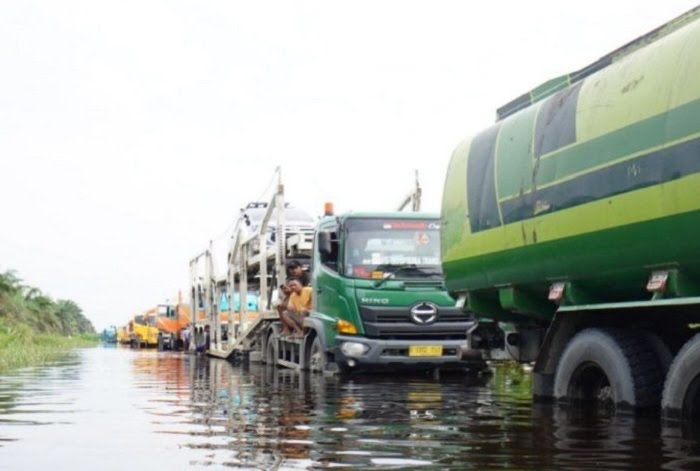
117, 409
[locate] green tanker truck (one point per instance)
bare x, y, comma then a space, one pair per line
575, 220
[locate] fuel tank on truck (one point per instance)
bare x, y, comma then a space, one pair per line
592, 178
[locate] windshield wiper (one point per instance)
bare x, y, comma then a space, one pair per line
400, 268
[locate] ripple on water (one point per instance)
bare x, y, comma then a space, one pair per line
192, 412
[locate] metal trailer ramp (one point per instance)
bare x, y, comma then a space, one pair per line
245, 342
289, 351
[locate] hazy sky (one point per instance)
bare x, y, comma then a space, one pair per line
132, 132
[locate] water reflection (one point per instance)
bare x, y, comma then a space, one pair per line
179, 411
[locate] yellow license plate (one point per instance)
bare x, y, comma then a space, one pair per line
425, 351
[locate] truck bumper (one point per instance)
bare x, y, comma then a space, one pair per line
394, 355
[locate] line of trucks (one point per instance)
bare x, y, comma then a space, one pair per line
568, 239
165, 326
159, 327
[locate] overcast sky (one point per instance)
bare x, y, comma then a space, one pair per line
132, 132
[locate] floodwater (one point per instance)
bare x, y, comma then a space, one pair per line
115, 409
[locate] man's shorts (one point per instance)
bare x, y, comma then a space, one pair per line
297, 318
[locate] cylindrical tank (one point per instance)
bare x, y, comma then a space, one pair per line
597, 184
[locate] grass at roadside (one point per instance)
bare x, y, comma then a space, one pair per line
21, 346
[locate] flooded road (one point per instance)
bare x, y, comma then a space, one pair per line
120, 409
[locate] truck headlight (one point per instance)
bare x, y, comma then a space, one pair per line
353, 349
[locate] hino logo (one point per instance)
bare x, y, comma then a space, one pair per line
424, 313
374, 301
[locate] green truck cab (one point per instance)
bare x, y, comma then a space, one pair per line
379, 299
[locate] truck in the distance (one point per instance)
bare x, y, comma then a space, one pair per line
143, 332
574, 219
109, 335
171, 320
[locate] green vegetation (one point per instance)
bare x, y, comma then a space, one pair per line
21, 346
34, 328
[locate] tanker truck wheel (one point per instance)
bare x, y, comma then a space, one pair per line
681, 397
609, 367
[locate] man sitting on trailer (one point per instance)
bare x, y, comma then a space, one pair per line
295, 270
282, 299
298, 306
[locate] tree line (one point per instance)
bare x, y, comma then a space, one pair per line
21, 304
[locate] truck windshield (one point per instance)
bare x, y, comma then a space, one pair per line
166, 311
376, 248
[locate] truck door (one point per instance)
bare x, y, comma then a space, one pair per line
327, 295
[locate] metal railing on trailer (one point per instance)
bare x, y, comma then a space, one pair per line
256, 263
413, 198
202, 296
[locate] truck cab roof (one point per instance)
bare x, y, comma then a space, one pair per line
379, 215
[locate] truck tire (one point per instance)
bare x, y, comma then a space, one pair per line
317, 357
271, 350
609, 366
681, 396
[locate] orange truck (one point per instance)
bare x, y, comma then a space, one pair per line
171, 320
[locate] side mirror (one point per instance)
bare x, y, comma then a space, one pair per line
324, 243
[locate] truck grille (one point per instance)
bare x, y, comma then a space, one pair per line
394, 323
